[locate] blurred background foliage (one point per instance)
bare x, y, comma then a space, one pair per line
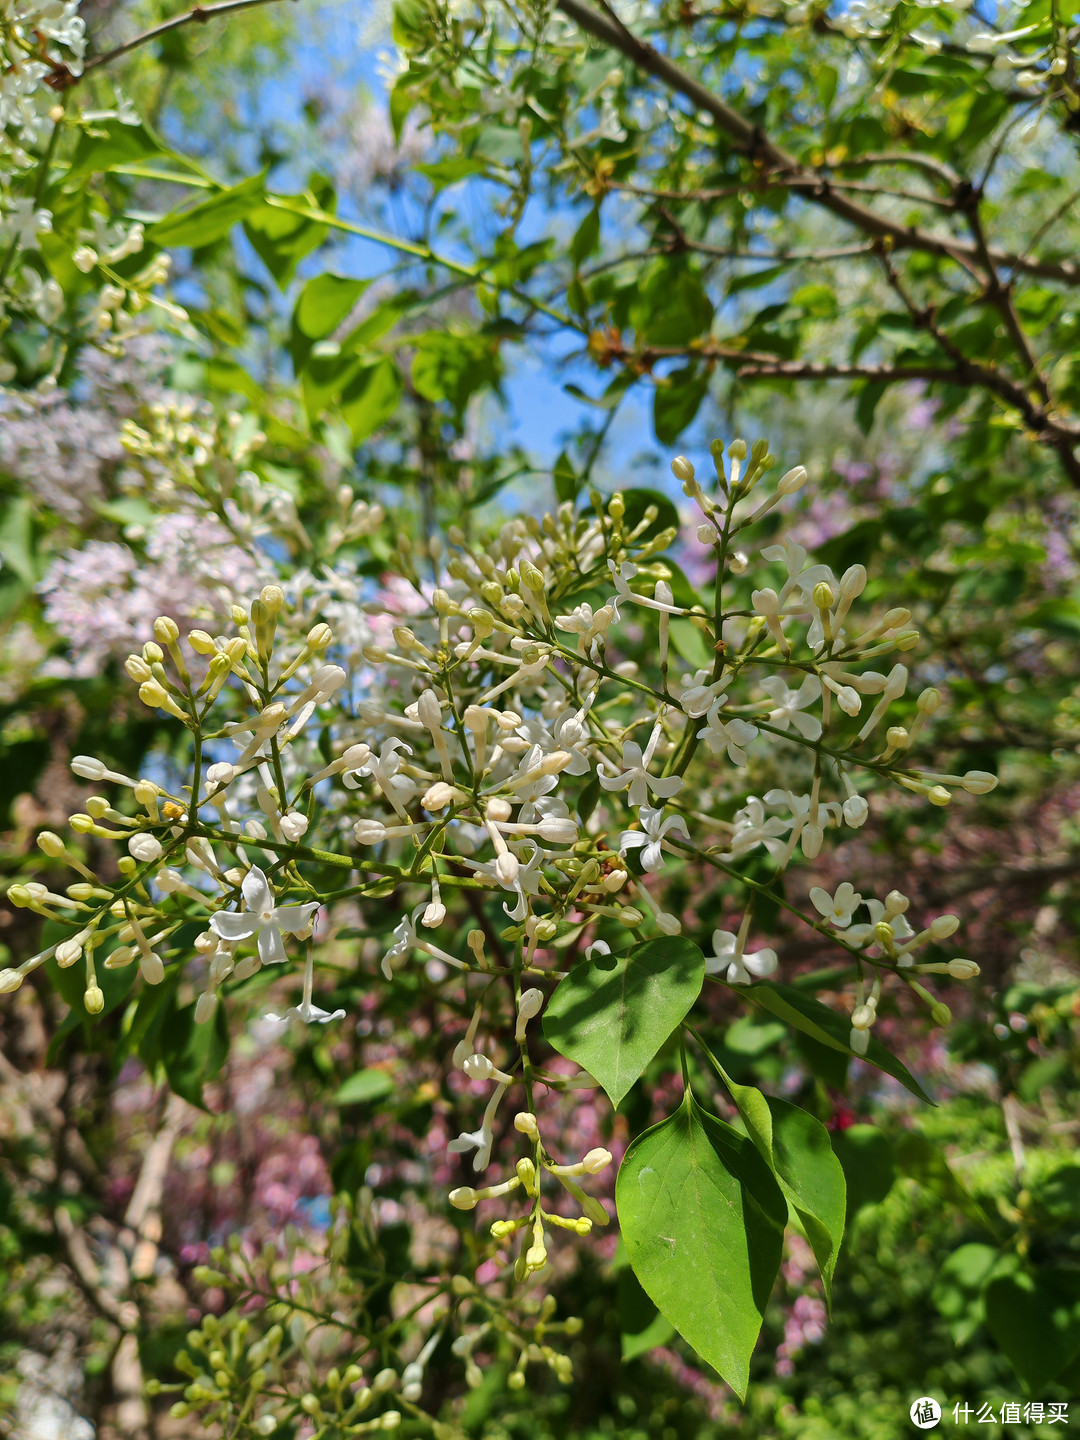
523, 257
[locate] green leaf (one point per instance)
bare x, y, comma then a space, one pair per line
109, 143
281, 238
1035, 1318
797, 1150
370, 399
676, 400
213, 219
454, 367
231, 378
867, 1158
958, 1290
829, 1027
566, 478
612, 1014
192, 1054
703, 1223
363, 1088
922, 1161
586, 238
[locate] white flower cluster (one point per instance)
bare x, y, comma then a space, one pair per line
502, 745
36, 36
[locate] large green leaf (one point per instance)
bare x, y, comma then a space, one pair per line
829, 1027
676, 401
323, 304
1035, 1318
923, 1161
613, 1013
363, 1088
211, 220
867, 1160
797, 1149
958, 1290
370, 398
281, 238
703, 1222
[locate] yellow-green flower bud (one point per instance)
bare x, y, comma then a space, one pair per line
50, 844
94, 999
166, 630
153, 654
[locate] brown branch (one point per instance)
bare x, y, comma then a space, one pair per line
769, 156
198, 14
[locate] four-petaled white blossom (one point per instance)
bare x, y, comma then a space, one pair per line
634, 776
648, 839
738, 969
839, 908
790, 705
732, 735
699, 693
262, 918
860, 934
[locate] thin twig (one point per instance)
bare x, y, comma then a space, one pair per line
198, 14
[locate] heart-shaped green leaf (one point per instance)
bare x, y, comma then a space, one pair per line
612, 1014
703, 1223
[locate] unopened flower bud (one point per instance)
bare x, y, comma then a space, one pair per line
823, 595
940, 1013
596, 1160
94, 1000
938, 795
963, 969
681, 468
50, 844
463, 1198
979, 782
166, 630
10, 980
88, 768
944, 926
152, 653
794, 480
525, 1123
137, 668
145, 848
319, 637
928, 701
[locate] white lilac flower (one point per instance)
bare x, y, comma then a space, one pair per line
738, 968
731, 735
839, 908
306, 1012
566, 731
385, 770
801, 577
699, 694
649, 838
621, 576
861, 934
262, 918
634, 776
480, 1140
752, 828
405, 941
790, 705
